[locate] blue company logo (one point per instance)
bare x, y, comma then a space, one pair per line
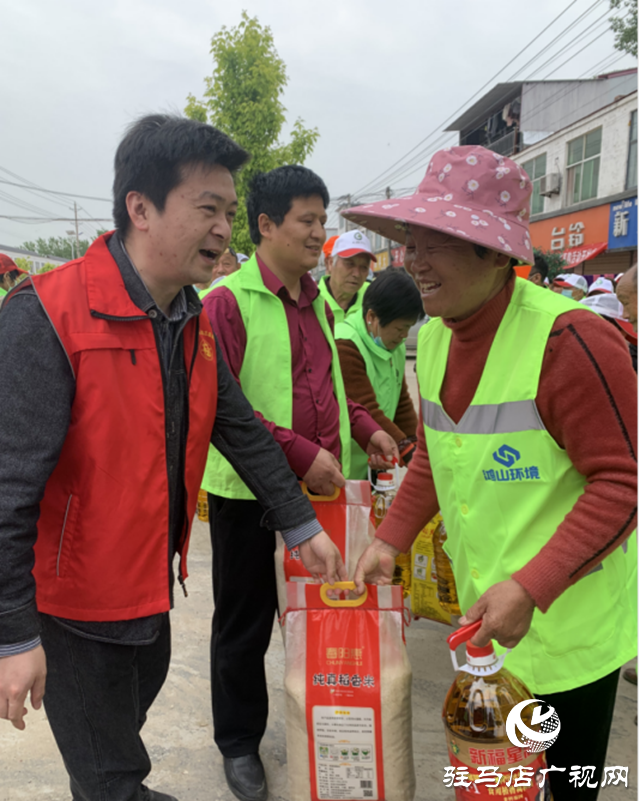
506, 455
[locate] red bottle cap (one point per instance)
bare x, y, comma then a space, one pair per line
385, 476
475, 650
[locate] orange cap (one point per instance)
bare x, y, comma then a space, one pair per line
328, 245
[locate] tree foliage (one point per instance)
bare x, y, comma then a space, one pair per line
24, 263
243, 99
59, 246
554, 260
47, 266
625, 26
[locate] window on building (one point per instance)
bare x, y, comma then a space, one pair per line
536, 169
632, 162
583, 166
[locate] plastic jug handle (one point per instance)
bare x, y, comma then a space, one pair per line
463, 634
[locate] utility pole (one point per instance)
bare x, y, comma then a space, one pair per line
388, 194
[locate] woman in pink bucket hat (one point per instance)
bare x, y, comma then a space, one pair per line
538, 515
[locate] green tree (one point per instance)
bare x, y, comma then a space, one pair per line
243, 99
48, 265
625, 26
24, 263
60, 246
554, 260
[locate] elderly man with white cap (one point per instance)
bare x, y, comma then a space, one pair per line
344, 284
537, 514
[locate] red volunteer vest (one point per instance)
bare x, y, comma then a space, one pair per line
103, 535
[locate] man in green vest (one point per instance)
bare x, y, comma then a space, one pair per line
275, 332
347, 269
537, 515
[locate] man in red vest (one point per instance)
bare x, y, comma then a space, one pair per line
112, 388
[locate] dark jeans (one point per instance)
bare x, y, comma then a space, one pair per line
245, 597
97, 698
585, 719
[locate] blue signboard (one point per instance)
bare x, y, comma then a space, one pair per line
623, 224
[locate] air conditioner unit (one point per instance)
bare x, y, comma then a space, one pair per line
550, 184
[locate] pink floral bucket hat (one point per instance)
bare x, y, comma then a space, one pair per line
469, 192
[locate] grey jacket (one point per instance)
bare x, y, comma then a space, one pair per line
37, 392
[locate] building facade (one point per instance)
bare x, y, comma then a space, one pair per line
578, 142
585, 197
37, 261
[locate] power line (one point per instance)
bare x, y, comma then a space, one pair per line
440, 126
388, 174
53, 219
53, 191
420, 160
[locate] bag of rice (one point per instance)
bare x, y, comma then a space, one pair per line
424, 580
348, 696
345, 516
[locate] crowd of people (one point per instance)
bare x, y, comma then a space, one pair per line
163, 361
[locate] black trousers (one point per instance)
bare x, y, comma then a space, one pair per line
585, 719
245, 597
97, 698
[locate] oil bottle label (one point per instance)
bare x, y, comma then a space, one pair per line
515, 777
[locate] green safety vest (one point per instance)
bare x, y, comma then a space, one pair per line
3, 292
339, 314
265, 375
504, 486
385, 371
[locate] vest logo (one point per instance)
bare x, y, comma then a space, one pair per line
206, 350
506, 455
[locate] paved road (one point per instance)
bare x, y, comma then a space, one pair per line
179, 730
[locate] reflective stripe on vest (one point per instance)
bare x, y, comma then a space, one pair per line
504, 486
265, 376
490, 418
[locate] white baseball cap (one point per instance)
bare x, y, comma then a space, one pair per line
609, 306
571, 280
601, 284
351, 243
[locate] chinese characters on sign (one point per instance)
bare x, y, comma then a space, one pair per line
520, 776
575, 238
623, 224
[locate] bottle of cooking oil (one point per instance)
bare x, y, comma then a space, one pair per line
384, 491
475, 713
203, 506
447, 592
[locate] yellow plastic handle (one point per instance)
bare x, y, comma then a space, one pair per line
342, 585
312, 497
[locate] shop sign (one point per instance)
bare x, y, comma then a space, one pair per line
575, 230
623, 224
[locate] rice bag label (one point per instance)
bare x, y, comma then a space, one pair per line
344, 741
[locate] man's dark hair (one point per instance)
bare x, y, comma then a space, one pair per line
482, 251
272, 193
156, 150
393, 296
540, 265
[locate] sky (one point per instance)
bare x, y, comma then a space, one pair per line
376, 78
